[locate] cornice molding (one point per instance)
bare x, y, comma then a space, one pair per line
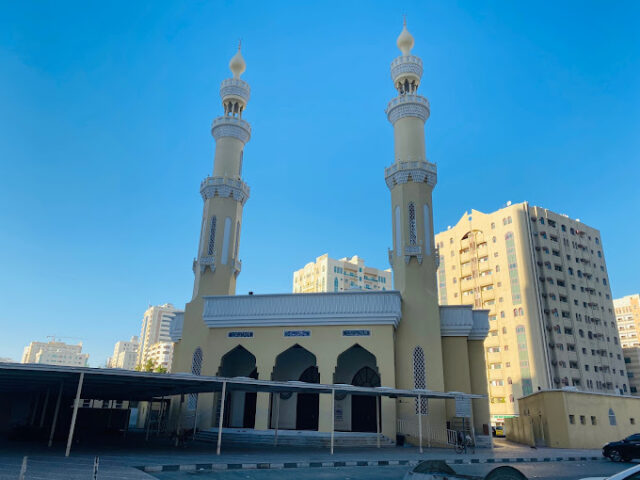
225, 187
480, 328
231, 127
303, 309
234, 87
406, 65
456, 320
408, 105
410, 171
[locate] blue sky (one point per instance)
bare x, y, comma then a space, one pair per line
105, 110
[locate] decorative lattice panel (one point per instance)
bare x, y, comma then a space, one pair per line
419, 379
196, 369
413, 240
212, 236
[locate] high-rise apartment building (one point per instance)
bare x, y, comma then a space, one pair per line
628, 317
125, 355
349, 273
632, 361
155, 329
55, 353
544, 280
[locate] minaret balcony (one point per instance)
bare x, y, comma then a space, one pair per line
237, 266
207, 261
406, 66
413, 251
235, 88
229, 126
225, 187
410, 171
408, 105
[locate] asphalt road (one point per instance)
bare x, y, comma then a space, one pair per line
549, 471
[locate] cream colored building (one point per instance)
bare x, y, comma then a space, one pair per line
55, 353
632, 361
398, 338
349, 273
628, 317
573, 419
156, 323
125, 354
161, 355
544, 280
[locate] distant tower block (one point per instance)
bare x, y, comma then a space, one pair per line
224, 193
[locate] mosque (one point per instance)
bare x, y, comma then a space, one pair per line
397, 338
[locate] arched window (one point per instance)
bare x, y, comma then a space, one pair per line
235, 250
427, 230
413, 240
419, 378
612, 417
212, 236
196, 369
509, 381
226, 239
398, 232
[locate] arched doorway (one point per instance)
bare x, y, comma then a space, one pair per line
239, 407
308, 404
356, 413
296, 411
364, 406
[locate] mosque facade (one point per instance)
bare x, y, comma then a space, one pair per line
398, 338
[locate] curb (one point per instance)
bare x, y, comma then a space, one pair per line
352, 463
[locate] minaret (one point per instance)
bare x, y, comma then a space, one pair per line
414, 258
224, 193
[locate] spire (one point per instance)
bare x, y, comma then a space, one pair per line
405, 39
237, 64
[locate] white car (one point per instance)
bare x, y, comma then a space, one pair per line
632, 473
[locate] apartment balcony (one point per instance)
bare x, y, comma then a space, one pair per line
465, 269
492, 341
488, 295
495, 374
466, 257
485, 280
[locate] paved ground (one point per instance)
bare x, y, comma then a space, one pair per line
117, 458
557, 471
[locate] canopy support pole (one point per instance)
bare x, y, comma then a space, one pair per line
222, 399
333, 416
378, 399
44, 408
55, 415
277, 407
146, 437
76, 402
420, 420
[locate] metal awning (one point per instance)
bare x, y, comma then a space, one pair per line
118, 384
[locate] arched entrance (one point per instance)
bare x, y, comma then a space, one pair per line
364, 406
356, 413
239, 407
296, 411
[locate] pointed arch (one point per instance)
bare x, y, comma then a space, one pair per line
196, 369
427, 229
398, 231
225, 241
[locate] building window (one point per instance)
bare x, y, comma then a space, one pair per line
583, 420
572, 419
413, 240
593, 420
212, 236
612, 417
419, 379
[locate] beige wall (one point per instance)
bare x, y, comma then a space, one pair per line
545, 419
